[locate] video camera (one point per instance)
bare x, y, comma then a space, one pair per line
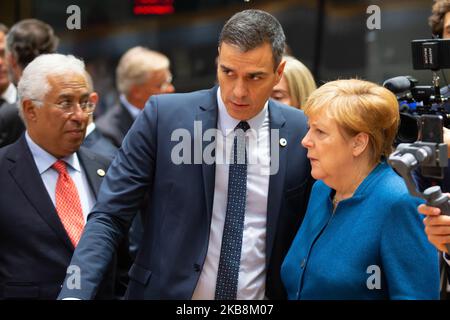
414, 100
424, 111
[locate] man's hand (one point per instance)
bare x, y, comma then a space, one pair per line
437, 227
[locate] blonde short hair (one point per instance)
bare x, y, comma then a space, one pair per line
359, 106
300, 81
136, 65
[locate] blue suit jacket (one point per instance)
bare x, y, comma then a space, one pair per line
35, 249
372, 247
178, 216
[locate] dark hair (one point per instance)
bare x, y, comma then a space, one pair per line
30, 38
250, 29
3, 28
436, 20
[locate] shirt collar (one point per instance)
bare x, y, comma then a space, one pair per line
10, 94
227, 123
90, 128
45, 160
133, 110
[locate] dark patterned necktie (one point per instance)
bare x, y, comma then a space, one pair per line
230, 253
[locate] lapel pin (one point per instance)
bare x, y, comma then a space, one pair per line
101, 172
283, 142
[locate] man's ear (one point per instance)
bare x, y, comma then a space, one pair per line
93, 97
279, 71
29, 111
360, 143
134, 92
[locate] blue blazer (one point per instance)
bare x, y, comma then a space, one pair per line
372, 247
179, 209
35, 249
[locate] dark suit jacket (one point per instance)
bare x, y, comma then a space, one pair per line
99, 144
35, 249
178, 217
115, 123
11, 125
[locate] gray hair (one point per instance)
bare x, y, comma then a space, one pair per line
136, 66
34, 85
250, 29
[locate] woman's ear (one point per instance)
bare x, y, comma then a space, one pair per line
360, 143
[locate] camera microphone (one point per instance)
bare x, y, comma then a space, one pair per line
399, 84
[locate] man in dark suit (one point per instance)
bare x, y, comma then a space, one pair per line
216, 226
25, 41
48, 184
11, 126
140, 74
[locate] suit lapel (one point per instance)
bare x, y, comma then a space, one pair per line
92, 168
25, 173
276, 181
207, 116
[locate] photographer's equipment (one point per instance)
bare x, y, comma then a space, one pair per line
424, 110
414, 100
431, 155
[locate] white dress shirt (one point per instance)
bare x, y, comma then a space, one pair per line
252, 270
10, 94
44, 162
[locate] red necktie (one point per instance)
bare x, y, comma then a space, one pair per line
68, 203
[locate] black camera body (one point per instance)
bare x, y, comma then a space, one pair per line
414, 100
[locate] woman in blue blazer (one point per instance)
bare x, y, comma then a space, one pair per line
362, 237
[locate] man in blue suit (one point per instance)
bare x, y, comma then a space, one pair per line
204, 212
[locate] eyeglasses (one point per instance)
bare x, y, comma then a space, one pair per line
68, 107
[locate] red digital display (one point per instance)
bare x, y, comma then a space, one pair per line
153, 7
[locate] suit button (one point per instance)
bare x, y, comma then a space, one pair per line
197, 267
302, 265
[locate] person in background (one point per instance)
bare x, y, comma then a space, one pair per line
94, 139
11, 126
296, 84
439, 20
8, 92
141, 73
362, 237
24, 41
437, 226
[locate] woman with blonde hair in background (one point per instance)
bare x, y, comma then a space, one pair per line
296, 84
